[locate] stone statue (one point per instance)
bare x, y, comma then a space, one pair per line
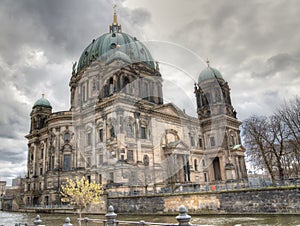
157, 66
74, 67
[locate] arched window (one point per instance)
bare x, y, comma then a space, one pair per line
42, 153
143, 132
192, 141
232, 139
130, 155
112, 132
52, 162
205, 177
83, 93
146, 91
67, 137
89, 138
200, 142
67, 162
88, 162
101, 135
129, 129
105, 91
195, 164
111, 86
146, 160
212, 141
126, 85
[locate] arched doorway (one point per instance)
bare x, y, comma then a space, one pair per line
47, 200
217, 170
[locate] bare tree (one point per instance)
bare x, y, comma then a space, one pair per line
255, 130
290, 115
273, 142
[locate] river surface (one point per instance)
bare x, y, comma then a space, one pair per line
10, 219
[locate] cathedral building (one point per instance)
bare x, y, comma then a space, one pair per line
119, 132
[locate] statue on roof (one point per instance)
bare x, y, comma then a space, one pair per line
74, 67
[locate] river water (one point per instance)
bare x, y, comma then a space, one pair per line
10, 219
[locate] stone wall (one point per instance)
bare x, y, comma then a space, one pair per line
261, 201
139, 204
197, 203
271, 200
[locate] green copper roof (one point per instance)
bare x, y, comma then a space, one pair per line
108, 44
209, 73
43, 102
118, 55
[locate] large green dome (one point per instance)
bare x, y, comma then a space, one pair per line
115, 45
105, 47
42, 102
209, 73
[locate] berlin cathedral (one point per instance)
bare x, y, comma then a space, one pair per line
120, 133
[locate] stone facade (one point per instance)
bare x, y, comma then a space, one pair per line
119, 132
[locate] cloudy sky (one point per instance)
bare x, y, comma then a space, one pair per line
255, 45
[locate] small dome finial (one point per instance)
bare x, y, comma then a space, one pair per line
207, 61
115, 15
115, 26
43, 95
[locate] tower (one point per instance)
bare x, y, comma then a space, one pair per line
220, 126
41, 110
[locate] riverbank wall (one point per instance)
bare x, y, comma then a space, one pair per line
285, 200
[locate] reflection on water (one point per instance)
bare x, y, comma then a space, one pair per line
10, 219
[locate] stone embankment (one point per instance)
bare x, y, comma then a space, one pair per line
252, 201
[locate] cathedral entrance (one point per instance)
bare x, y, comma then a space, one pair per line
35, 201
47, 200
217, 170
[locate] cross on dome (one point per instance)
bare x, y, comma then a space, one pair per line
207, 62
115, 26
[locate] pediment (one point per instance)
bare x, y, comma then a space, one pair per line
169, 109
182, 146
178, 147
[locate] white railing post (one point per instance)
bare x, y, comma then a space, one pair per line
111, 216
67, 222
183, 218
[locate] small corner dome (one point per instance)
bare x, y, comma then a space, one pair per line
209, 73
42, 102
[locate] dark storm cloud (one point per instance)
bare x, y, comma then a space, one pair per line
137, 17
232, 31
60, 28
13, 156
285, 65
134, 20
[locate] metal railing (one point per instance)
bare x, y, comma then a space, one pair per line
69, 207
183, 219
212, 187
